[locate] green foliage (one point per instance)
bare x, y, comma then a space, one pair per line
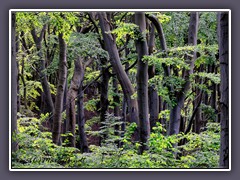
208, 112
90, 105
124, 29
204, 147
36, 149
208, 28
215, 78
175, 29
86, 46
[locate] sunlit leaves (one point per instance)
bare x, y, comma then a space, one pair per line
123, 29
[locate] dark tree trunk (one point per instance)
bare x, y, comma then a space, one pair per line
198, 115
62, 71
116, 110
142, 82
162, 40
14, 76
18, 77
65, 104
175, 112
104, 92
81, 122
224, 89
125, 83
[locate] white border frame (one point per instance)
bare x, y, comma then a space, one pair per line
120, 10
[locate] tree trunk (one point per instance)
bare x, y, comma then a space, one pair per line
175, 112
62, 71
71, 97
162, 40
152, 90
125, 83
224, 89
198, 115
81, 122
80, 110
14, 76
116, 110
104, 91
142, 81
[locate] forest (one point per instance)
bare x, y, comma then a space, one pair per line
100, 90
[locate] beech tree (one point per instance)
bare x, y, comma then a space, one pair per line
118, 68
57, 119
175, 113
14, 75
142, 81
224, 88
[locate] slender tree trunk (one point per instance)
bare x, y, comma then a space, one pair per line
81, 122
125, 83
175, 112
162, 40
14, 76
224, 89
57, 118
65, 104
142, 82
116, 110
198, 115
18, 77
104, 92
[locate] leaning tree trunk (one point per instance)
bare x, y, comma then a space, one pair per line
142, 81
224, 89
125, 82
62, 71
161, 37
175, 112
14, 77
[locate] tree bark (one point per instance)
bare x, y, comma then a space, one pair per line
152, 90
162, 40
116, 110
196, 104
104, 91
224, 89
83, 144
175, 112
14, 77
125, 83
71, 97
57, 119
80, 110
142, 81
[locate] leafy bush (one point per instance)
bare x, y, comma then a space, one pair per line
36, 149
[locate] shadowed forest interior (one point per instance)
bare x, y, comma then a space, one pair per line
120, 89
